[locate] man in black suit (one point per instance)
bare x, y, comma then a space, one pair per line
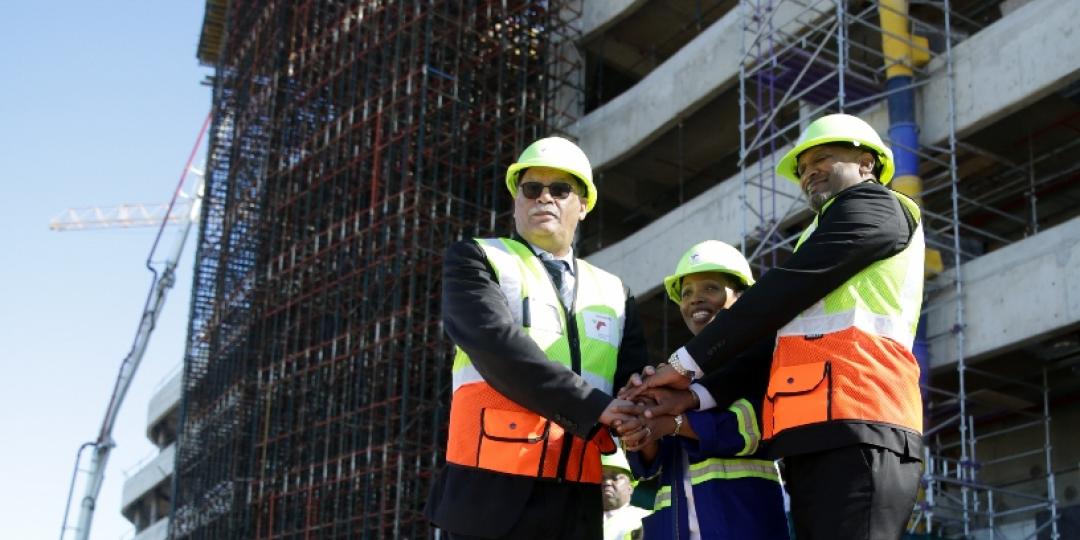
843, 407
542, 339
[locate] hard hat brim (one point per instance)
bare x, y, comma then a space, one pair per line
512, 176
673, 283
788, 164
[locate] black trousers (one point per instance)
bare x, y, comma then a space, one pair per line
859, 492
567, 511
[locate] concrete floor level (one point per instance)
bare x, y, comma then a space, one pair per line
147, 495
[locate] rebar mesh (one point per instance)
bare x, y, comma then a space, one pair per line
352, 142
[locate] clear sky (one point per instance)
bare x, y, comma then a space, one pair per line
100, 104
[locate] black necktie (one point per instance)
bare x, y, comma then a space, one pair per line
557, 270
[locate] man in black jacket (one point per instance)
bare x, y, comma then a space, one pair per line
542, 340
843, 406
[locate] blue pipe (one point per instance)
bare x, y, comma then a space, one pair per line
903, 130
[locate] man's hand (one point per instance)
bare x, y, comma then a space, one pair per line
635, 381
668, 401
619, 411
663, 375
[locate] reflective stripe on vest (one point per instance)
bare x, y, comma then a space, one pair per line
748, 426
848, 357
490, 431
730, 469
721, 469
663, 498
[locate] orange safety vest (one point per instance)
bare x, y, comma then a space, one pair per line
514, 440
848, 357
489, 430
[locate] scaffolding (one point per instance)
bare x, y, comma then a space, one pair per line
351, 143
805, 58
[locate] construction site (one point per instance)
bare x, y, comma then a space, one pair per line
352, 141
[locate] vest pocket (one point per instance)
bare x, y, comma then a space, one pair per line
512, 441
800, 395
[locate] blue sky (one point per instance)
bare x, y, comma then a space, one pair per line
100, 103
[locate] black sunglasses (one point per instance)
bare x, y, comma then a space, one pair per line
558, 190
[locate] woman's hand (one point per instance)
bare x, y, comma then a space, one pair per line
646, 432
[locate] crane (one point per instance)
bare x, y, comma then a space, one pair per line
125, 215
162, 281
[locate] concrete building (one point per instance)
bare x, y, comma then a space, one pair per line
669, 84
147, 495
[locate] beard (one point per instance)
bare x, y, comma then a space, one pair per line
817, 200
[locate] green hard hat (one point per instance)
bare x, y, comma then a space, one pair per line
708, 256
616, 460
837, 128
556, 153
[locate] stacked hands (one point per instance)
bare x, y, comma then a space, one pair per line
649, 407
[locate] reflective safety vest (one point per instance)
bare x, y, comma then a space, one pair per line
848, 357
490, 431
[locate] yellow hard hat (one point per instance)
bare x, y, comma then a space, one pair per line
616, 460
556, 153
838, 128
708, 256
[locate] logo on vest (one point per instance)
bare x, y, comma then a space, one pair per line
600, 327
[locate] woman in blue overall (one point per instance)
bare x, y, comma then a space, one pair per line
714, 484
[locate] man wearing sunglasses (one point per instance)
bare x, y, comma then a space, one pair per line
543, 339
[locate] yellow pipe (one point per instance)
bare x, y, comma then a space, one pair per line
903, 51
911, 185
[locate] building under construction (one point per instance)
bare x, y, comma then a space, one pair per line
352, 141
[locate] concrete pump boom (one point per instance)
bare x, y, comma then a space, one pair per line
155, 301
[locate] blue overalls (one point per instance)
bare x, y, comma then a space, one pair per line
736, 492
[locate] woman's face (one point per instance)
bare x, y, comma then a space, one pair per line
703, 296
